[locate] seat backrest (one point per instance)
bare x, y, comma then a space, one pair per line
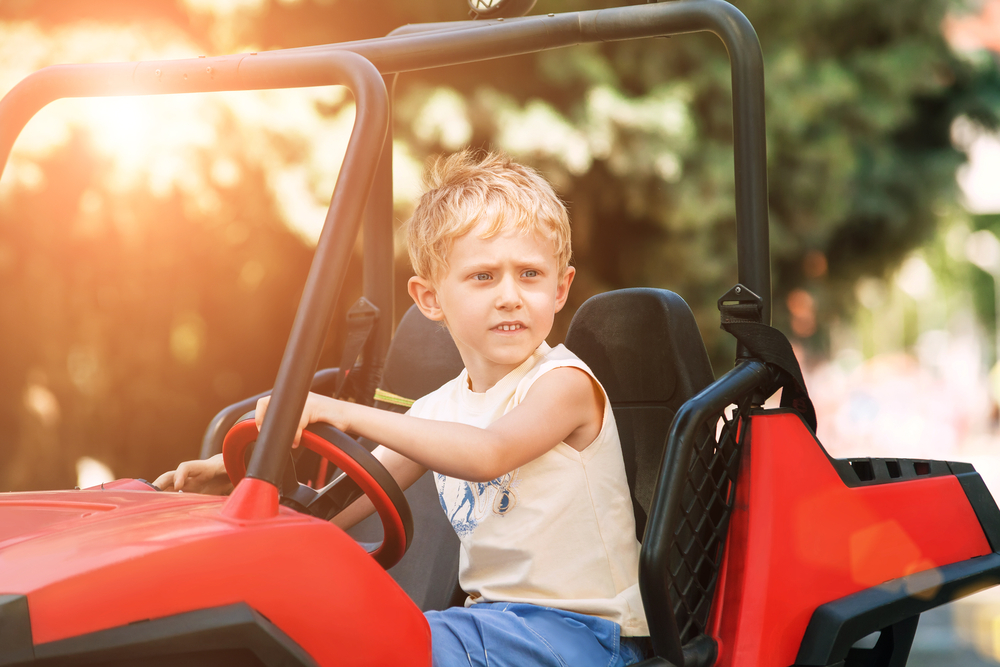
645, 348
421, 358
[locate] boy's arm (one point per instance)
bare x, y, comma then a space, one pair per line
563, 405
402, 469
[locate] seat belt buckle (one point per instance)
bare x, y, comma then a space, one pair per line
740, 304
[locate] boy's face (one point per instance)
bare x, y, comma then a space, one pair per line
498, 298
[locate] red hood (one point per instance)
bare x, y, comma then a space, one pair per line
96, 559
43, 515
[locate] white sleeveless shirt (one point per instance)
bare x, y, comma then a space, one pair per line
558, 531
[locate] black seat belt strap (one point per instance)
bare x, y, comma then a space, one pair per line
361, 320
741, 316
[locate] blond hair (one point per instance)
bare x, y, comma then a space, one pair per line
469, 188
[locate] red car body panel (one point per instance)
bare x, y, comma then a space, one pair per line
97, 559
800, 537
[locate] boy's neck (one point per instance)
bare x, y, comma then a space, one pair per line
485, 376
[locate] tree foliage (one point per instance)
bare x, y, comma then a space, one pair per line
637, 136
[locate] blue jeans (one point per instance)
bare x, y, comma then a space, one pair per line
504, 634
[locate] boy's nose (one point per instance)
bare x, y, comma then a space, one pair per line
508, 296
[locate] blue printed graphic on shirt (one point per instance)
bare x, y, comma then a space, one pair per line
468, 503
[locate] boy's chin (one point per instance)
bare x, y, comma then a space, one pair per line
515, 355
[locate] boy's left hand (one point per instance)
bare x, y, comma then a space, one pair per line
199, 476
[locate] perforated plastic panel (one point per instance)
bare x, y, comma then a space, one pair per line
707, 501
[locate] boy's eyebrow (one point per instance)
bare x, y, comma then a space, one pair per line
473, 267
476, 265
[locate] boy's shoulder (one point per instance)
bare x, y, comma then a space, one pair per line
514, 387
548, 359
558, 354
446, 393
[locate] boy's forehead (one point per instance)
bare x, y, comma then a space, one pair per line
480, 241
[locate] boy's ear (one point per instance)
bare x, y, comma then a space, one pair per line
562, 290
423, 294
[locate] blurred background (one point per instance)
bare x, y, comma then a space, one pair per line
152, 251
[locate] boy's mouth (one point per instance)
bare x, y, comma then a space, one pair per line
509, 327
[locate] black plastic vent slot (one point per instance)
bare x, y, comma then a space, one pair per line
864, 470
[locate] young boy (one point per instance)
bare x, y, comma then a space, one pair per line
523, 442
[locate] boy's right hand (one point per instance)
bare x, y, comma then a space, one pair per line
201, 476
318, 408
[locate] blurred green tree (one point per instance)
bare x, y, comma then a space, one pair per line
636, 136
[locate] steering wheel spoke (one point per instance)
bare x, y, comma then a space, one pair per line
330, 500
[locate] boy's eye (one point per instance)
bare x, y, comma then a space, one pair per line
530, 273
481, 276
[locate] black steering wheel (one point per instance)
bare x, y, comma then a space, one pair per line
363, 475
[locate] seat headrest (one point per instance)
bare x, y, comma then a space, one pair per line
421, 358
643, 345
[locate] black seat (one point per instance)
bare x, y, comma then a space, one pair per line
642, 344
421, 358
645, 348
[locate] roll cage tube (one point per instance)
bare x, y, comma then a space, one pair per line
418, 49
427, 46
343, 219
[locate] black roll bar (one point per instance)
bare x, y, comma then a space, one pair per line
416, 48
420, 47
329, 265
378, 267
343, 219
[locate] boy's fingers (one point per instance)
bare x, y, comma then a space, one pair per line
164, 481
305, 421
180, 476
260, 410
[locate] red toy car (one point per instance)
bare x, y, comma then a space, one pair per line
758, 549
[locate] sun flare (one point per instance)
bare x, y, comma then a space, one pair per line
191, 144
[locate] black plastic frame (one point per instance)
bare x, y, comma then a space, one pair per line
16, 644
667, 512
212, 635
344, 217
982, 501
836, 626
